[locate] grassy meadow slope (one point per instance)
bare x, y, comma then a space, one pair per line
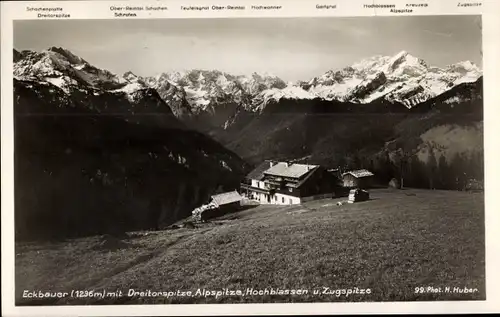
392, 244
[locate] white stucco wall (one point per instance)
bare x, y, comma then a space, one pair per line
277, 199
281, 199
263, 199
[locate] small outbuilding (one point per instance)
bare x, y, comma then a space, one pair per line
219, 205
227, 200
356, 195
358, 179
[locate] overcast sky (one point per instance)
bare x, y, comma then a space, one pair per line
292, 48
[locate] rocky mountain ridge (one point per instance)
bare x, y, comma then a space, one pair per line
217, 97
402, 78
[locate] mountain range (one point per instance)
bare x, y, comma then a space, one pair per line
204, 126
213, 98
400, 78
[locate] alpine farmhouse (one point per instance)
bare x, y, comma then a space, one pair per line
284, 183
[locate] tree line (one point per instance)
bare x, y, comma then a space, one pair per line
460, 172
463, 171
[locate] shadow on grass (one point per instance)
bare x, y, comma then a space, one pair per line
111, 243
232, 214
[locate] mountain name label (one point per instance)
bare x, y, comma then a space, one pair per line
120, 14
49, 12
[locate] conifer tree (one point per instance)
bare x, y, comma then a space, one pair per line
444, 171
431, 168
418, 173
457, 171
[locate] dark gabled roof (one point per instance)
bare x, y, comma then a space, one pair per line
301, 182
258, 172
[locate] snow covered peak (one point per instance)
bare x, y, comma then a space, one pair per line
400, 64
401, 54
289, 92
68, 56
131, 77
256, 83
71, 73
402, 57
467, 65
201, 78
274, 94
399, 78
206, 89
64, 69
464, 67
463, 72
404, 64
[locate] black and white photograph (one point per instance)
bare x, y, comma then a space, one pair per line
249, 160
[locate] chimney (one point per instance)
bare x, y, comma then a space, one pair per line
271, 163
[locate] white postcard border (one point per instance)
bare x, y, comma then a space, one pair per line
490, 11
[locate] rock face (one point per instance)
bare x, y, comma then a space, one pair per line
211, 99
368, 86
99, 153
173, 95
205, 90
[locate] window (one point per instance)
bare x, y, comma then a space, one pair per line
283, 200
290, 200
